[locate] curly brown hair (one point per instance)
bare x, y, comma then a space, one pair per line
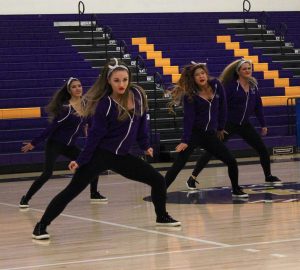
186, 84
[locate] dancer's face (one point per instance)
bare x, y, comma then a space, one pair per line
200, 77
245, 71
119, 81
75, 89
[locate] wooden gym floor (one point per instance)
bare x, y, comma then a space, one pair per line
217, 233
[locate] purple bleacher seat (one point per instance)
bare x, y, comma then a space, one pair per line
36, 59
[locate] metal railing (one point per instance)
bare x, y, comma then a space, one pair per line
123, 48
93, 27
158, 85
107, 35
291, 115
173, 111
93, 22
246, 9
282, 32
140, 66
81, 10
263, 20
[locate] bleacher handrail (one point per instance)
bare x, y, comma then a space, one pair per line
245, 11
290, 103
81, 10
264, 18
140, 65
283, 29
123, 48
158, 84
244, 6
93, 25
107, 35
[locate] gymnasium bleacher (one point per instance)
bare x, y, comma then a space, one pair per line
170, 41
39, 52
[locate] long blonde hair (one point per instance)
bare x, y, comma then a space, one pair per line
102, 88
230, 72
186, 84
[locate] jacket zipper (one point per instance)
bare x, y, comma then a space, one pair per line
247, 94
130, 124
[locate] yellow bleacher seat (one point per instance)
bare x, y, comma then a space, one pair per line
292, 90
276, 100
271, 74
20, 113
175, 78
281, 82
169, 70
232, 45
153, 54
160, 62
139, 40
223, 39
253, 58
241, 52
260, 66
146, 47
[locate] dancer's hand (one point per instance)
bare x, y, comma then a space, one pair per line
264, 131
73, 165
220, 135
149, 152
181, 147
27, 147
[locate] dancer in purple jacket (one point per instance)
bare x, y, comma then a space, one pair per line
243, 100
119, 119
204, 120
67, 124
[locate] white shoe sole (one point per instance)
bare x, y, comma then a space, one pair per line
41, 237
23, 205
190, 188
98, 201
174, 224
274, 183
240, 196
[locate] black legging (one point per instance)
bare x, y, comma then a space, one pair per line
250, 135
210, 142
127, 165
52, 152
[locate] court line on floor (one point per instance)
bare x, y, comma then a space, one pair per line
219, 245
163, 233
150, 254
130, 227
111, 258
267, 242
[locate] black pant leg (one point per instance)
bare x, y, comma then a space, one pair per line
214, 146
72, 152
78, 183
203, 160
178, 164
250, 135
137, 169
52, 151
